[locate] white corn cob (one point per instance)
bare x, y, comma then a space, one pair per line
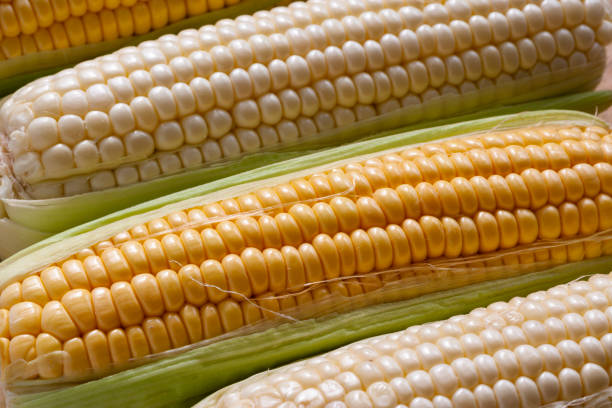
259, 81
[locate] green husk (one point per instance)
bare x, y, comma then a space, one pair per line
65, 243
176, 381
16, 72
57, 214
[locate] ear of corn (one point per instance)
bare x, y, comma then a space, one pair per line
207, 369
211, 96
379, 222
552, 346
56, 36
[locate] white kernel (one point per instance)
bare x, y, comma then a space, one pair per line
553, 14
535, 18
185, 99
528, 392
66, 82
142, 82
506, 394
48, 104
487, 369
299, 73
343, 116
190, 157
270, 108
28, 166
45, 190
222, 58
420, 402
229, 146
357, 399
410, 45
182, 68
139, 144
43, 133
126, 175
435, 13
458, 10
419, 77
604, 32
427, 41
481, 30
287, 131
211, 151
345, 91
111, 149
86, 154
444, 379
151, 55
279, 73
260, 78
246, 114
100, 97
584, 36
262, 48
203, 93
169, 163
326, 93
324, 121
594, 12
571, 384
194, 128
421, 383
168, 136
75, 102
499, 26
242, 52
571, 353
162, 75
248, 139
76, 185
517, 23
267, 135
122, 119
102, 180
164, 103
241, 84
57, 159
507, 363
412, 16
148, 170
466, 372
575, 325
549, 387
219, 122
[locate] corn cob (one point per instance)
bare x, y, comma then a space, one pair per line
182, 103
524, 198
551, 346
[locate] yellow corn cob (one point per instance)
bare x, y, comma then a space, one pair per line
551, 346
260, 81
30, 26
432, 214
